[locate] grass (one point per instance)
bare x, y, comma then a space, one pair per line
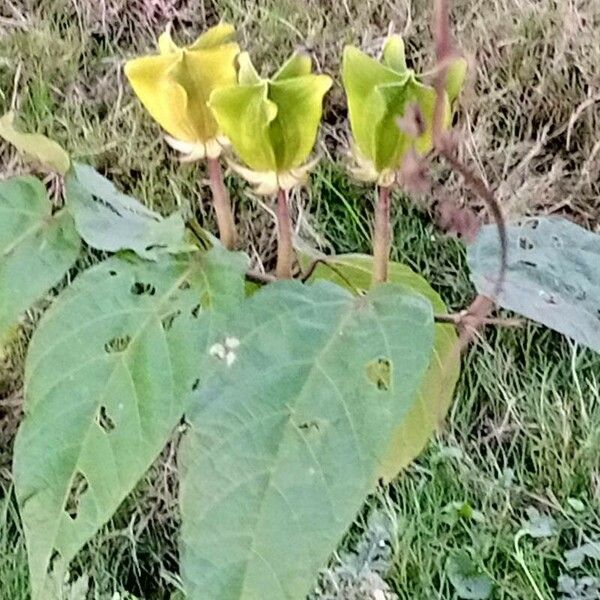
524, 430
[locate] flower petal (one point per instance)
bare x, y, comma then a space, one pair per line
193, 151
265, 182
215, 36
201, 72
166, 45
298, 176
163, 97
425, 98
394, 55
361, 75
455, 77
390, 142
297, 65
244, 114
247, 74
299, 102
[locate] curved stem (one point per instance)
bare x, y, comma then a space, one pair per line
222, 204
381, 236
285, 250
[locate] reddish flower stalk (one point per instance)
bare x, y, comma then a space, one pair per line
381, 236
222, 204
285, 250
480, 309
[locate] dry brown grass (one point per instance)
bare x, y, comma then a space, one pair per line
531, 117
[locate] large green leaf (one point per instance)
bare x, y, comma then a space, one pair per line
109, 220
552, 275
355, 272
36, 247
107, 375
288, 435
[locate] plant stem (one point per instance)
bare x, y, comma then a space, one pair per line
261, 278
285, 251
222, 204
381, 236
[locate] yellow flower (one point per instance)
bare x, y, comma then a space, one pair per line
175, 85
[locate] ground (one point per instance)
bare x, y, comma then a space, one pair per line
524, 431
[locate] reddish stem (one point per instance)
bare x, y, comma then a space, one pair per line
222, 204
285, 250
381, 236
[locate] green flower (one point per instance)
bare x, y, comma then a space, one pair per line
272, 123
380, 94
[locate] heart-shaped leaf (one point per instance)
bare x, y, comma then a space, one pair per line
36, 247
553, 274
288, 436
107, 376
355, 272
109, 220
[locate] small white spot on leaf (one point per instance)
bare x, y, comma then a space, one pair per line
225, 351
217, 350
231, 343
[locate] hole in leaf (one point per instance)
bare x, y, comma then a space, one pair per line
525, 244
79, 486
185, 285
167, 322
195, 385
112, 273
379, 373
196, 311
533, 224
528, 263
557, 242
55, 560
154, 247
104, 421
309, 426
117, 344
140, 289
